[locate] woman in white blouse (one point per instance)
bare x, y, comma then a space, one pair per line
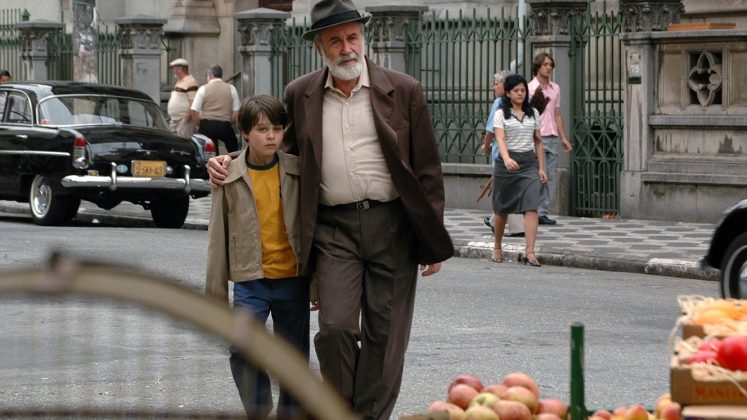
520, 167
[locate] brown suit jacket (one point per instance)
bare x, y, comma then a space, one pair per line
408, 143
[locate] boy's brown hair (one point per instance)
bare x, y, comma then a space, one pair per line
538, 60
254, 106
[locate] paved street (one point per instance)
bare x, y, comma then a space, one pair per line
639, 246
475, 317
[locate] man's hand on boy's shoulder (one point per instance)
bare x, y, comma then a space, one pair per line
217, 168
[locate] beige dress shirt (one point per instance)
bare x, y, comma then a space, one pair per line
353, 165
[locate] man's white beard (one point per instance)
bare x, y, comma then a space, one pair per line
345, 71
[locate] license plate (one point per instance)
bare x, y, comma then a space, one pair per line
148, 168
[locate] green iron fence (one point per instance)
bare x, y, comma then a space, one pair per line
10, 44
292, 56
455, 59
62, 51
597, 100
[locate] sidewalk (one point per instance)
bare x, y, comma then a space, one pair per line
641, 246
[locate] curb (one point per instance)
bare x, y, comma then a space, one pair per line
671, 268
511, 253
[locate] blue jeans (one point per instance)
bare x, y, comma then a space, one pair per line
288, 302
552, 150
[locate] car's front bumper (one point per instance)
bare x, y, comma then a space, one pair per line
114, 182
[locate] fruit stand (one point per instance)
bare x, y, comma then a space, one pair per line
708, 377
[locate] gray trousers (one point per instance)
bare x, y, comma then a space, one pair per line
552, 150
367, 272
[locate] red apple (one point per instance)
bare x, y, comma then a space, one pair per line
672, 412
620, 411
553, 406
549, 416
469, 380
479, 412
498, 389
485, 399
522, 395
732, 354
603, 414
664, 401
454, 412
461, 395
636, 412
522, 379
437, 406
511, 410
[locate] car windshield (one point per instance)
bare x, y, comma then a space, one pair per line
99, 110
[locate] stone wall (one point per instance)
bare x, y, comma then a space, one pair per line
686, 128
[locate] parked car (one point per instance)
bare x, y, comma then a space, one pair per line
63, 142
728, 251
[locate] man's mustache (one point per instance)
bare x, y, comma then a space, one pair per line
345, 58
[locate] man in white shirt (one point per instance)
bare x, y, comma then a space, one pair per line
214, 109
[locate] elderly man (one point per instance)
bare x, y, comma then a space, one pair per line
181, 99
372, 201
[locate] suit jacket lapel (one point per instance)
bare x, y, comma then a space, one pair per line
382, 103
313, 112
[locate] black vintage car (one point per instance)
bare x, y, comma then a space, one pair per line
61, 142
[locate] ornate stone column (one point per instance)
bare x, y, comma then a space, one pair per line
650, 15
639, 83
192, 32
140, 54
256, 27
552, 33
389, 28
34, 35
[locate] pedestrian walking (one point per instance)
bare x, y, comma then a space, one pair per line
264, 229
552, 129
215, 106
519, 170
369, 165
180, 101
5, 76
515, 222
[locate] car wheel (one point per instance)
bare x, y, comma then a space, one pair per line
734, 269
170, 213
48, 205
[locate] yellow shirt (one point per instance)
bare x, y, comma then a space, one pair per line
278, 259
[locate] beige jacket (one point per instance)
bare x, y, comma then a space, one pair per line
234, 246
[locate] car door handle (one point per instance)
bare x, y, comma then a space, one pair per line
22, 136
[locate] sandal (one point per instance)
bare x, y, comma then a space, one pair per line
499, 257
534, 262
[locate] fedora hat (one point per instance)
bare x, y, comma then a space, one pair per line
328, 13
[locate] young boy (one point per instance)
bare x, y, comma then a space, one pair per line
253, 241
